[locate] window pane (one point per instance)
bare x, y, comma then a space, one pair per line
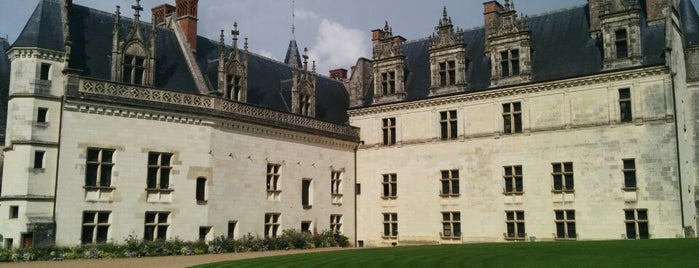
148, 233
642, 214
107, 156
630, 230
106, 175
102, 234
556, 168
568, 167
510, 215
557, 182
560, 230
445, 187
152, 178
88, 217
518, 123
456, 216
570, 185
103, 218
444, 129
87, 234
165, 159
386, 229
164, 178
518, 185
153, 159
162, 232
520, 215
570, 214
629, 164
571, 230
455, 186
629, 215
508, 185
91, 175
162, 218
559, 215
150, 217
629, 179
457, 229
446, 216
643, 230
92, 155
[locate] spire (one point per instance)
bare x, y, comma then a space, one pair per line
446, 20
293, 21
137, 8
305, 58
117, 19
235, 33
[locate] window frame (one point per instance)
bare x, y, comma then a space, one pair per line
131, 70
625, 108
273, 177
162, 171
450, 181
449, 124
388, 83
388, 129
514, 222
42, 115
564, 224
45, 71
95, 224
272, 224
304, 104
621, 44
447, 73
14, 212
100, 164
513, 176
389, 185
336, 223
512, 117
638, 219
565, 176
390, 225
509, 63
157, 225
451, 225
201, 194
629, 171
234, 87
307, 193
39, 159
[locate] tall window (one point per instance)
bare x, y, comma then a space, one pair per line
272, 224
336, 223
95, 227
451, 224
509, 62
304, 104
41, 114
450, 182
273, 173
447, 73
235, 88
390, 185
159, 166
134, 68
45, 72
636, 221
335, 182
629, 173
231, 229
515, 224
625, 105
388, 83
201, 189
448, 124
98, 169
306, 193
39, 159
156, 225
512, 117
622, 46
14, 212
565, 224
389, 131
513, 180
563, 177
390, 225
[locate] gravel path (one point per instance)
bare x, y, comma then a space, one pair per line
155, 262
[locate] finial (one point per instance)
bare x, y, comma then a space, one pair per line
293, 21
305, 57
117, 14
314, 66
221, 37
385, 27
246, 43
235, 32
137, 8
444, 13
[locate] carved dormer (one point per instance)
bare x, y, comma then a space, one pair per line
389, 66
233, 69
133, 57
447, 58
303, 91
621, 33
507, 44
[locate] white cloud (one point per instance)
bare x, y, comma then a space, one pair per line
267, 54
337, 46
303, 14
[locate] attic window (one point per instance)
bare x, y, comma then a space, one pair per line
622, 46
447, 73
509, 62
304, 104
134, 68
388, 83
234, 88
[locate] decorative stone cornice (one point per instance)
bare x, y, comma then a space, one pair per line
494, 93
35, 52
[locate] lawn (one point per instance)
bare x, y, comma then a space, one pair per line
626, 253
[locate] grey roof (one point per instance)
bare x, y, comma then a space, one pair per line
292, 54
91, 36
4, 85
690, 22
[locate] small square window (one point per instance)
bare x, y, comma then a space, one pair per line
41, 114
39, 159
14, 212
45, 71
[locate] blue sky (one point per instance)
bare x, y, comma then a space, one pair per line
335, 32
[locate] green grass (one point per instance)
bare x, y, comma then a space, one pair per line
628, 253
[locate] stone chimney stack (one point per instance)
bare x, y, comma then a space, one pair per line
654, 10
339, 74
160, 12
187, 18
491, 10
594, 8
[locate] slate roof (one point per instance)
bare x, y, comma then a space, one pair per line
690, 22
91, 34
4, 85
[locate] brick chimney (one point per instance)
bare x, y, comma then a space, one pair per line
160, 12
187, 18
338, 74
594, 8
490, 12
654, 9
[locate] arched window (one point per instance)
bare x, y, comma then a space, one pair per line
134, 65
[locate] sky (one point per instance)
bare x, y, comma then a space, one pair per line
335, 32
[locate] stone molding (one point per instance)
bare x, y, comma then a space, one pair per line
35, 52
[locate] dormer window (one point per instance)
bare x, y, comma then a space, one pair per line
234, 88
134, 68
447, 73
388, 83
509, 62
305, 104
622, 47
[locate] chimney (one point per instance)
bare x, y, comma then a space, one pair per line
160, 12
594, 8
376, 34
490, 12
338, 74
654, 9
187, 18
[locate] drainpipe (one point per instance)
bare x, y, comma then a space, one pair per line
356, 147
677, 146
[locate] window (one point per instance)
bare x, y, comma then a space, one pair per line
39, 159
336, 223
512, 117
389, 131
14, 212
159, 166
201, 189
304, 104
99, 166
357, 188
388, 83
156, 226
271, 224
447, 73
451, 224
450, 182
273, 174
8, 243
204, 232
231, 229
41, 114
565, 224
509, 62
513, 180
390, 225
629, 173
95, 227
134, 68
335, 182
234, 88
622, 47
447, 122
625, 105
563, 177
306, 193
45, 72
515, 225
636, 221
306, 226
390, 186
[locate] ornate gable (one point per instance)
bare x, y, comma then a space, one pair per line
448, 61
133, 57
621, 33
233, 69
508, 45
389, 66
303, 91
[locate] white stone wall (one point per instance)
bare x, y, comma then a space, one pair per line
578, 124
